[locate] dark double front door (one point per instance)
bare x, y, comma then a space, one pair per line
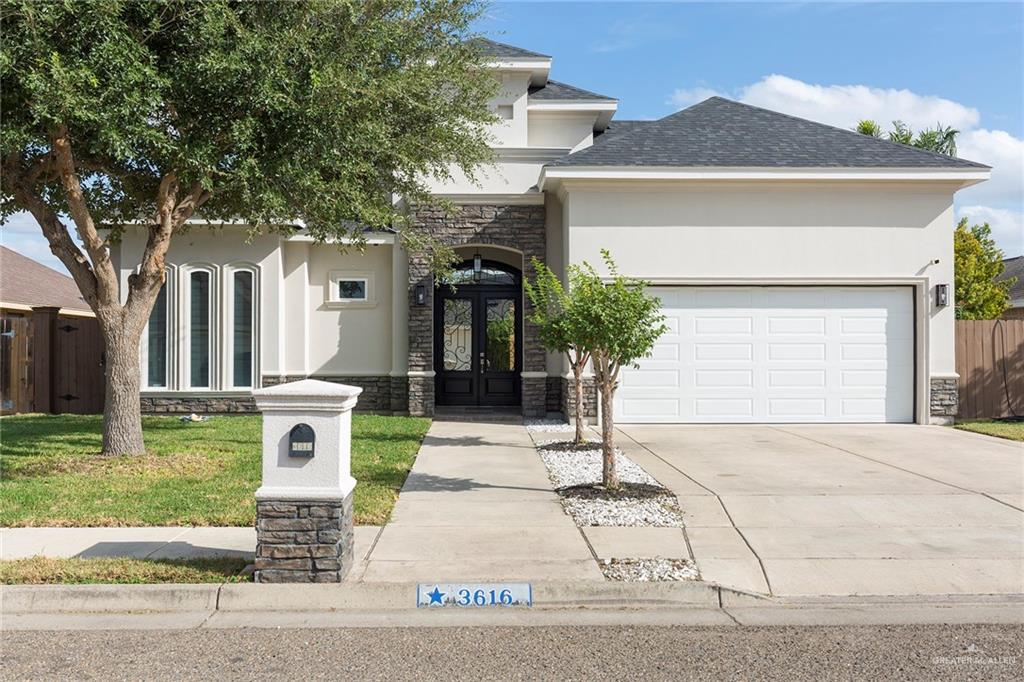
477, 348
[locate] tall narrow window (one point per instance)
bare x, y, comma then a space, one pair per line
242, 328
199, 329
156, 342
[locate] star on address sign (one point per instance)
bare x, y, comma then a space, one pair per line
435, 596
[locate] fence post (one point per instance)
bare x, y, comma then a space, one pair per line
44, 323
304, 507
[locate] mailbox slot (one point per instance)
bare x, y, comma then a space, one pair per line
301, 441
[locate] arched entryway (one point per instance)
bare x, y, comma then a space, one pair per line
478, 324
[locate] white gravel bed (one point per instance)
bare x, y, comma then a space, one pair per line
569, 468
548, 426
580, 467
661, 512
649, 570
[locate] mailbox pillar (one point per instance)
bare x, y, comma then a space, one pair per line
304, 507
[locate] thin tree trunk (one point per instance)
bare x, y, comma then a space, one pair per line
577, 373
122, 414
610, 473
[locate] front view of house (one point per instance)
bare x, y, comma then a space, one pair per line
805, 272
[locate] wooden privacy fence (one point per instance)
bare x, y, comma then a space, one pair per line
50, 363
990, 362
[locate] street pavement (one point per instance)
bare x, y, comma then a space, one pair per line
990, 652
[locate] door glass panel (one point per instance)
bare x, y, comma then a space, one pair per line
458, 334
500, 342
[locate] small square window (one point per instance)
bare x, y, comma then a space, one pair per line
504, 111
351, 289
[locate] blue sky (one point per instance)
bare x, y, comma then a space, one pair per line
958, 63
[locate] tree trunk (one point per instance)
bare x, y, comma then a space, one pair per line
610, 473
577, 373
122, 414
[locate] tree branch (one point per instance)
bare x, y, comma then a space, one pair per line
106, 286
56, 233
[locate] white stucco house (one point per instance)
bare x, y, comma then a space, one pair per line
805, 272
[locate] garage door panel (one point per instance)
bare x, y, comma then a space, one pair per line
777, 354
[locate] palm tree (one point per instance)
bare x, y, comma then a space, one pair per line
941, 139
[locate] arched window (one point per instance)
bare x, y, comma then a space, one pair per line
199, 325
241, 334
157, 350
490, 273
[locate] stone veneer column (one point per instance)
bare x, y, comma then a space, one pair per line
304, 507
944, 398
521, 228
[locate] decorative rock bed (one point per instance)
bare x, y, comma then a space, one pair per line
641, 501
649, 570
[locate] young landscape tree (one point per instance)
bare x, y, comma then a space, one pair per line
619, 324
977, 261
557, 314
272, 114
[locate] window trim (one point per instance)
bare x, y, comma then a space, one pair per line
229, 326
170, 302
186, 327
331, 298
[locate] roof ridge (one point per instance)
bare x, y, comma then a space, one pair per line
830, 126
509, 45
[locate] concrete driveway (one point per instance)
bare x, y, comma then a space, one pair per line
844, 510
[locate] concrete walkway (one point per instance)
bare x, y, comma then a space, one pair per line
478, 505
844, 510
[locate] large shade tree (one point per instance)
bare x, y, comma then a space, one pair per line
977, 262
314, 113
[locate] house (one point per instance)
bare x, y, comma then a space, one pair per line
1014, 267
804, 270
51, 349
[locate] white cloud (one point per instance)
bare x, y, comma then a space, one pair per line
1000, 199
844, 105
1002, 151
1007, 226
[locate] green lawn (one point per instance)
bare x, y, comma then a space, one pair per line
204, 474
47, 571
1010, 430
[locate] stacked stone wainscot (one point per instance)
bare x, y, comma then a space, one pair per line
301, 541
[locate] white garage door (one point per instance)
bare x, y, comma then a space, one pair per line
776, 354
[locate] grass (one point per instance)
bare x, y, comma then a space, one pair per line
989, 427
47, 571
202, 474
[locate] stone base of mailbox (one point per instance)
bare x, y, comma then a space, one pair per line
303, 541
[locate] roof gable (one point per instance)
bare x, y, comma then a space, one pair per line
722, 133
492, 48
563, 92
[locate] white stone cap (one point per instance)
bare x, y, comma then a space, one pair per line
307, 493
308, 394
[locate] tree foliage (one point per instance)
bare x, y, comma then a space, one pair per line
940, 139
316, 113
558, 314
977, 261
618, 323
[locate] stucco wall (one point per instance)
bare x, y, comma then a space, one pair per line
721, 232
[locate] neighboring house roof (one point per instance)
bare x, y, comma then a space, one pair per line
720, 132
1014, 267
24, 281
563, 92
493, 48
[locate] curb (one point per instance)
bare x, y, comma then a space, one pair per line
229, 597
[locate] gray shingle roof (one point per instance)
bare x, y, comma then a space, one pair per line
554, 90
720, 132
29, 282
615, 128
1014, 267
492, 48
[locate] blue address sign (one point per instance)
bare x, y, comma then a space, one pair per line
474, 595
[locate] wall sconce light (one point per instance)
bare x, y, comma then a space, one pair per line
941, 295
421, 294
478, 265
